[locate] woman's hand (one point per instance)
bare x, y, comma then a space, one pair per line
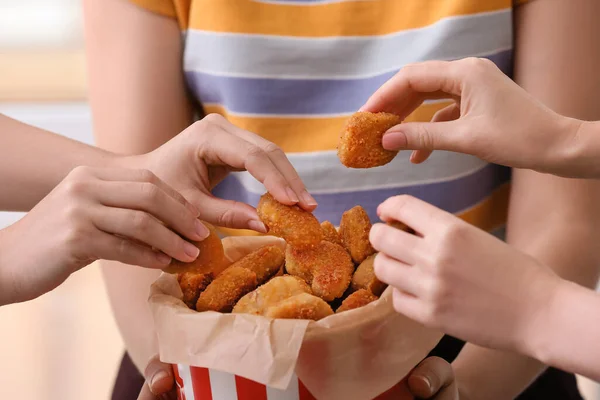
490, 117
201, 156
455, 277
96, 213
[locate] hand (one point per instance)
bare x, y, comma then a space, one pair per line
457, 278
433, 378
160, 382
201, 156
491, 117
96, 213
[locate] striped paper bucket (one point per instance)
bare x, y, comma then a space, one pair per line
354, 355
194, 383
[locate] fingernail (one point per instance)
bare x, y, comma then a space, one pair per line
292, 195
201, 230
308, 199
257, 226
394, 140
428, 384
158, 377
191, 250
163, 258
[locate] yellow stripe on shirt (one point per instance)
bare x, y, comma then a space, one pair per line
306, 134
348, 18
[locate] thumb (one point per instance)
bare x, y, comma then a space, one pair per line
422, 136
159, 376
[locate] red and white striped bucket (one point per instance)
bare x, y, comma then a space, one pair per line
194, 383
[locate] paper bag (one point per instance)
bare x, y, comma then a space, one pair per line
355, 355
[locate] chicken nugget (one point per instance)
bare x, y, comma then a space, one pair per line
297, 226
300, 306
226, 289
360, 142
330, 233
357, 299
192, 284
327, 268
264, 262
211, 259
270, 294
364, 278
354, 230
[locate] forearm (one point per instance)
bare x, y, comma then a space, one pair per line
33, 161
553, 219
568, 334
138, 103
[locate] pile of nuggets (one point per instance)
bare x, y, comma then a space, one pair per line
320, 270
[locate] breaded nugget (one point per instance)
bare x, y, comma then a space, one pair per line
364, 278
327, 268
226, 289
264, 262
270, 294
360, 142
357, 299
211, 258
354, 230
192, 284
297, 226
330, 233
300, 306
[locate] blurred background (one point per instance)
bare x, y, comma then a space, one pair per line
64, 345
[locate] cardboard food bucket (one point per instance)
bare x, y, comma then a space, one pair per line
360, 354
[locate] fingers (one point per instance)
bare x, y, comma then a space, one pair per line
263, 160
141, 226
417, 214
140, 175
282, 163
415, 83
159, 376
228, 213
110, 247
153, 199
448, 113
395, 273
395, 243
433, 378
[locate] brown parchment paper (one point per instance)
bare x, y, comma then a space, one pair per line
357, 354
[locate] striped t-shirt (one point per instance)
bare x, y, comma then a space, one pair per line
293, 71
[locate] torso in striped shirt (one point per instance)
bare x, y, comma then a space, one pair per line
294, 70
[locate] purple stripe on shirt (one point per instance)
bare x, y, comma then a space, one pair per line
453, 196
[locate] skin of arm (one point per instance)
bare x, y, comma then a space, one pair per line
553, 219
49, 158
138, 101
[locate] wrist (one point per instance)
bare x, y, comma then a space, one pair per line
548, 326
576, 154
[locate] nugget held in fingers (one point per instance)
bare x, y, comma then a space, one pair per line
300, 306
327, 268
211, 259
330, 233
298, 227
270, 294
354, 230
360, 142
364, 278
264, 262
357, 299
227, 288
192, 284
